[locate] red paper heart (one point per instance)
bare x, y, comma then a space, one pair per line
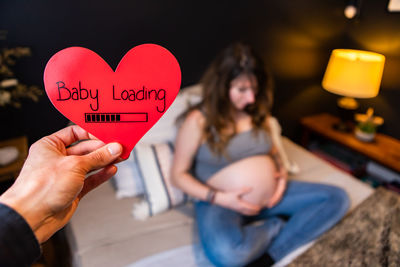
118, 106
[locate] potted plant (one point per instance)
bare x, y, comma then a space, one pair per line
11, 90
367, 125
12, 93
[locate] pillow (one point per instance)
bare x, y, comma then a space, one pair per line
154, 164
127, 180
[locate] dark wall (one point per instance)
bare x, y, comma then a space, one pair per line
294, 37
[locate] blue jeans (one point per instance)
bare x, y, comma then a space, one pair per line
231, 239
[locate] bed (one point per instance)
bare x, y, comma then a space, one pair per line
104, 231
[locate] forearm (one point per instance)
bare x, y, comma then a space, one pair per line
23, 199
18, 245
276, 157
28, 197
191, 186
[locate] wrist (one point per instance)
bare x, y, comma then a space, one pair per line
220, 199
277, 160
211, 194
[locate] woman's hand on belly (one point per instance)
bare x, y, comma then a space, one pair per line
256, 172
277, 196
281, 177
233, 200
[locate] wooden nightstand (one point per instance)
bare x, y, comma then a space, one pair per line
384, 149
12, 170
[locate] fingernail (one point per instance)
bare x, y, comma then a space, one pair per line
114, 148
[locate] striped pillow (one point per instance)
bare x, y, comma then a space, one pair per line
154, 164
127, 180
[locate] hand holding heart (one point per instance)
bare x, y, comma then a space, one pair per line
55, 177
118, 106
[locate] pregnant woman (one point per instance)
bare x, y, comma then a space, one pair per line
247, 213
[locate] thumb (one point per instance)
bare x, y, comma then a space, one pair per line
102, 157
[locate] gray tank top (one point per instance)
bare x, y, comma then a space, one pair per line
241, 146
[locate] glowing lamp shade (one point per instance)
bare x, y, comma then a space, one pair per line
354, 73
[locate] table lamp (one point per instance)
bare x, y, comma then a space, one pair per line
352, 74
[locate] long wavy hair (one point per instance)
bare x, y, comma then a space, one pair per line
235, 60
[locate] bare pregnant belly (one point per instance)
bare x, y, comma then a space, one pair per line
255, 172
